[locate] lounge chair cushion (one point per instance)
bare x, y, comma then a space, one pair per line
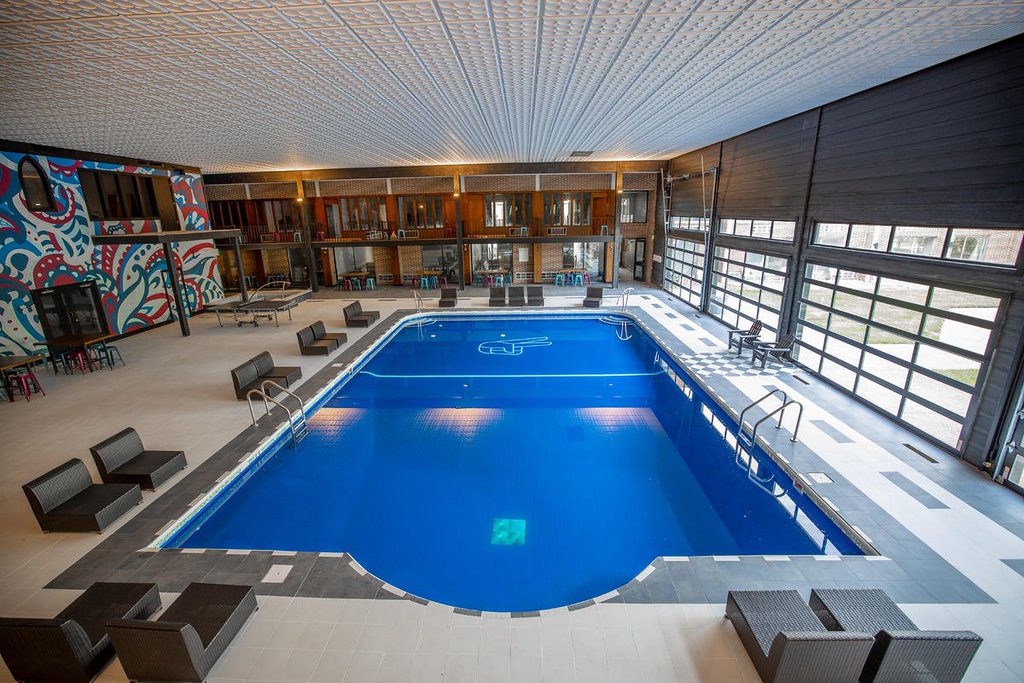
149, 469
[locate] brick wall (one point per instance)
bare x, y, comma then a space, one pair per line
522, 271
382, 263
575, 181
412, 261
500, 183
275, 261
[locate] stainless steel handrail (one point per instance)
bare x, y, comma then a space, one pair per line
419, 301
624, 297
299, 419
263, 385
768, 395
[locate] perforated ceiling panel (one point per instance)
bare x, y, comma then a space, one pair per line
247, 85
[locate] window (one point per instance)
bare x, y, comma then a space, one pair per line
747, 286
633, 207
111, 196
508, 210
421, 212
762, 229
684, 269
688, 223
912, 350
224, 213
567, 208
585, 255
358, 213
991, 246
281, 215
35, 185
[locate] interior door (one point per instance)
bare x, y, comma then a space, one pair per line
639, 254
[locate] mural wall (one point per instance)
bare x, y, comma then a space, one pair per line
54, 248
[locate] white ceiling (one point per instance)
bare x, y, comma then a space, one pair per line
246, 85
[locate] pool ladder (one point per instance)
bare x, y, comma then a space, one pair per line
624, 298
296, 421
748, 439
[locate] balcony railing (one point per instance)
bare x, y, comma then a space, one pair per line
599, 226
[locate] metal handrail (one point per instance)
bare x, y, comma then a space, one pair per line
624, 297
263, 388
781, 410
769, 394
267, 400
419, 301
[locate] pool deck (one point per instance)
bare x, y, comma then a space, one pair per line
951, 542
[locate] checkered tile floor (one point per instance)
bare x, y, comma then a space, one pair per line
731, 365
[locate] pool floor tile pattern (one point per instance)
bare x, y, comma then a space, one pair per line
665, 625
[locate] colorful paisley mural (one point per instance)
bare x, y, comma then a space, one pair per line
55, 248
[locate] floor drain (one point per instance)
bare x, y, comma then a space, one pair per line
922, 454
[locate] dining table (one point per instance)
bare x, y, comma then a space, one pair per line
74, 341
13, 362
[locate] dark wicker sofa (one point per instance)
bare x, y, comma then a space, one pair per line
786, 642
186, 640
66, 499
251, 374
74, 645
355, 316
316, 341
901, 652
122, 459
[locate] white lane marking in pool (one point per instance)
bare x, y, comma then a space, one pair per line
277, 573
726, 558
675, 558
645, 573
776, 558
358, 567
511, 347
556, 375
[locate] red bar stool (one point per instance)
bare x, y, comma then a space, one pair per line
24, 380
442, 281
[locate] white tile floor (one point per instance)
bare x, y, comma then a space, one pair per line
177, 393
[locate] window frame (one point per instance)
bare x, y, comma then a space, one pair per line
50, 205
142, 184
775, 224
634, 198
943, 251
911, 365
682, 255
726, 274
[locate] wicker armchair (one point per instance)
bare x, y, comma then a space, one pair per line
355, 316
74, 645
901, 651
593, 298
186, 641
535, 295
66, 499
516, 296
786, 642
122, 459
497, 297
448, 298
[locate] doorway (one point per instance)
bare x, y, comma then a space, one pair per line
632, 259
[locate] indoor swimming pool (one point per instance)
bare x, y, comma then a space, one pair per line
514, 463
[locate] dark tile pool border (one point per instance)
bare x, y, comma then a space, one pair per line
909, 569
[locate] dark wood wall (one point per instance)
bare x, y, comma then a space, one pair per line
944, 146
765, 171
689, 196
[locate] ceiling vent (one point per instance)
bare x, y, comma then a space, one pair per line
580, 154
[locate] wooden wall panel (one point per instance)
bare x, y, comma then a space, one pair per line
941, 147
764, 172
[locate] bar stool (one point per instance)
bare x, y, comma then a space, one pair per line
559, 279
25, 381
105, 354
578, 280
371, 284
586, 278
356, 284
489, 281
416, 282
434, 282
442, 282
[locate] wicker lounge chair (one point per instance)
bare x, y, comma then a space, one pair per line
901, 651
786, 642
516, 296
448, 298
186, 640
779, 350
251, 374
593, 298
74, 645
497, 297
122, 459
355, 316
66, 499
535, 295
740, 338
314, 340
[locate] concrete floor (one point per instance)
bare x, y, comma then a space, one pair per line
177, 393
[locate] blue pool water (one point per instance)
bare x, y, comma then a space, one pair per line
516, 463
